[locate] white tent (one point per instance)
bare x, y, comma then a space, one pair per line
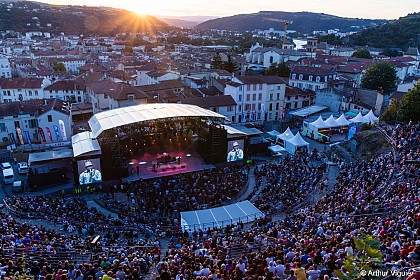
319, 123
287, 135
370, 117
273, 133
84, 144
331, 122
358, 119
276, 149
222, 216
296, 142
342, 121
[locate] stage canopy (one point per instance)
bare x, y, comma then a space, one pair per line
84, 144
296, 142
222, 216
145, 112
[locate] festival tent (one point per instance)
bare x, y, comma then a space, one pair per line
370, 117
273, 133
276, 149
331, 122
358, 119
319, 123
296, 142
243, 211
287, 135
342, 121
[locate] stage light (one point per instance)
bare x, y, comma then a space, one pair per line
131, 163
188, 155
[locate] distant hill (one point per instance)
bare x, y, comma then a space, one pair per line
401, 33
303, 22
178, 22
33, 16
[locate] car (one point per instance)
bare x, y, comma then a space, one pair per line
18, 187
22, 167
6, 165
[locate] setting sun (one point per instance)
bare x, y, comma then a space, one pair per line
151, 8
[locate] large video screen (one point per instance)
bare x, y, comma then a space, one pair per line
89, 171
235, 150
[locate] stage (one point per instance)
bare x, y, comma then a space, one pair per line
184, 158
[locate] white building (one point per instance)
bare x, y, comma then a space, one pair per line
67, 90
22, 89
313, 78
34, 121
255, 96
5, 69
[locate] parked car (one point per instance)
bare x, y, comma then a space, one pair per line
8, 176
22, 167
17, 187
6, 165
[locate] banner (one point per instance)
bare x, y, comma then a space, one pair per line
49, 133
56, 132
19, 132
12, 139
41, 133
62, 130
28, 137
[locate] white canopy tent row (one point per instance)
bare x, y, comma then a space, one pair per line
368, 118
243, 211
286, 135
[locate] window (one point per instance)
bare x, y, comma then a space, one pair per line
278, 95
310, 78
301, 77
278, 87
271, 59
248, 97
270, 107
293, 76
271, 96
255, 87
230, 108
247, 107
240, 108
296, 97
277, 106
240, 97
49, 118
253, 107
271, 87
248, 87
260, 86
32, 123
17, 124
260, 96
318, 79
254, 97
130, 97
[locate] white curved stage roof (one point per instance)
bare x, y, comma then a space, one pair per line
145, 112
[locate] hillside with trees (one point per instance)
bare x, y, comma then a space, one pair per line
303, 22
33, 16
401, 33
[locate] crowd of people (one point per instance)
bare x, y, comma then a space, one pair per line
378, 197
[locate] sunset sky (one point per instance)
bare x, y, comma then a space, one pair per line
378, 9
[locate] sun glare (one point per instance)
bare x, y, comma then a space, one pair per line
139, 7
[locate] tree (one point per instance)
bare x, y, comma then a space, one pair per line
357, 266
410, 104
362, 53
391, 52
230, 65
275, 69
216, 62
59, 66
380, 76
391, 112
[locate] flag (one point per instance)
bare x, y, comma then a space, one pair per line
243, 116
49, 133
12, 138
41, 133
283, 113
20, 136
63, 130
28, 137
57, 134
